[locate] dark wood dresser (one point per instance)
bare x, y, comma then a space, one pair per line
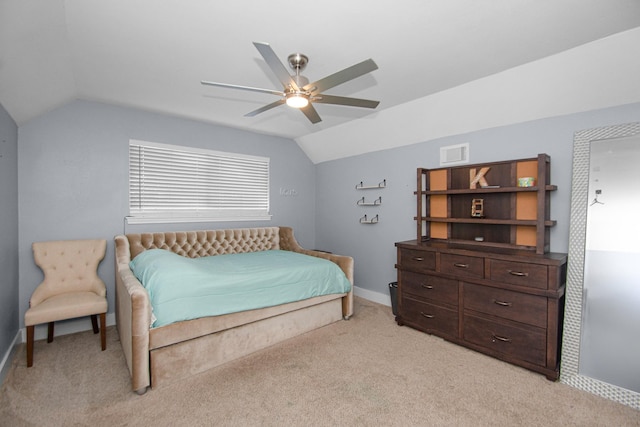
502, 302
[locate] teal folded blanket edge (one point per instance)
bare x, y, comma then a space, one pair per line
182, 288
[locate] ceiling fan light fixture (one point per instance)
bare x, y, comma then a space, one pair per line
297, 100
297, 92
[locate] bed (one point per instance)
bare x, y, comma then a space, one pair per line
162, 345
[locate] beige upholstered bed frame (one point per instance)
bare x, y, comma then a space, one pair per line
160, 355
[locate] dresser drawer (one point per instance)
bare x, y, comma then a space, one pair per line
429, 317
517, 273
431, 287
419, 260
506, 338
462, 265
530, 309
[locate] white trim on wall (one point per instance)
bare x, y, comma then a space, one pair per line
5, 365
66, 327
372, 296
62, 328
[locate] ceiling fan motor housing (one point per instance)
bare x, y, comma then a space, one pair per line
298, 61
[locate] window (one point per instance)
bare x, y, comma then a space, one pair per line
169, 183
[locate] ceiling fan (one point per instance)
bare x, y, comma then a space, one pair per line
297, 92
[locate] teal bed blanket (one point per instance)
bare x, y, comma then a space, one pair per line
182, 288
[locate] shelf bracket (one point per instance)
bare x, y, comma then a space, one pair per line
361, 186
373, 220
376, 202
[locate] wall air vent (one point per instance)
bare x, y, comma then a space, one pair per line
454, 154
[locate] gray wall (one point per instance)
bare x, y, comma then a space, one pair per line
372, 246
73, 182
73, 179
8, 233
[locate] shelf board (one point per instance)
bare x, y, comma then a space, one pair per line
488, 190
361, 186
531, 222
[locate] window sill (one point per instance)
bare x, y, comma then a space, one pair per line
177, 219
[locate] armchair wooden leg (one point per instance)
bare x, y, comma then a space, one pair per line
30, 345
103, 330
50, 332
94, 323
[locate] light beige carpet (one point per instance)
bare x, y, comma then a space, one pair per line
363, 372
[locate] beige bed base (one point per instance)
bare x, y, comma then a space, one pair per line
160, 355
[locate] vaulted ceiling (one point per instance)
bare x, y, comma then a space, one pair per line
153, 54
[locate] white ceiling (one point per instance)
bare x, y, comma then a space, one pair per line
153, 54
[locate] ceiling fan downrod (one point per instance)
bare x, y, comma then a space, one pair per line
298, 98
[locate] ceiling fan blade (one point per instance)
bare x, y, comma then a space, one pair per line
311, 114
343, 100
249, 88
342, 76
265, 108
276, 66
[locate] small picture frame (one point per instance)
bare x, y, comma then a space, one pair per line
477, 208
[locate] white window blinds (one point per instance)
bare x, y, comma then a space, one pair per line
169, 183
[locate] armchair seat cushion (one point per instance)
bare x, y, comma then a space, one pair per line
66, 306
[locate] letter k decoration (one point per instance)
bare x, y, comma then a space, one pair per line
475, 179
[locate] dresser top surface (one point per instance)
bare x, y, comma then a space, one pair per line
553, 258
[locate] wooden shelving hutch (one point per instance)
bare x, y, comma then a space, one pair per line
514, 217
480, 273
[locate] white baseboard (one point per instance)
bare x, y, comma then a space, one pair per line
384, 299
61, 328
84, 324
8, 357
65, 327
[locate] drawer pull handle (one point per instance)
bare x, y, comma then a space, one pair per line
460, 265
418, 258
499, 338
518, 273
502, 303
426, 286
428, 316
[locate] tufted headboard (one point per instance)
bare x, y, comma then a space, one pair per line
196, 244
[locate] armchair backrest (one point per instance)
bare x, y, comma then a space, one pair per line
68, 266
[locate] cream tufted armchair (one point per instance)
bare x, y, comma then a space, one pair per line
71, 287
